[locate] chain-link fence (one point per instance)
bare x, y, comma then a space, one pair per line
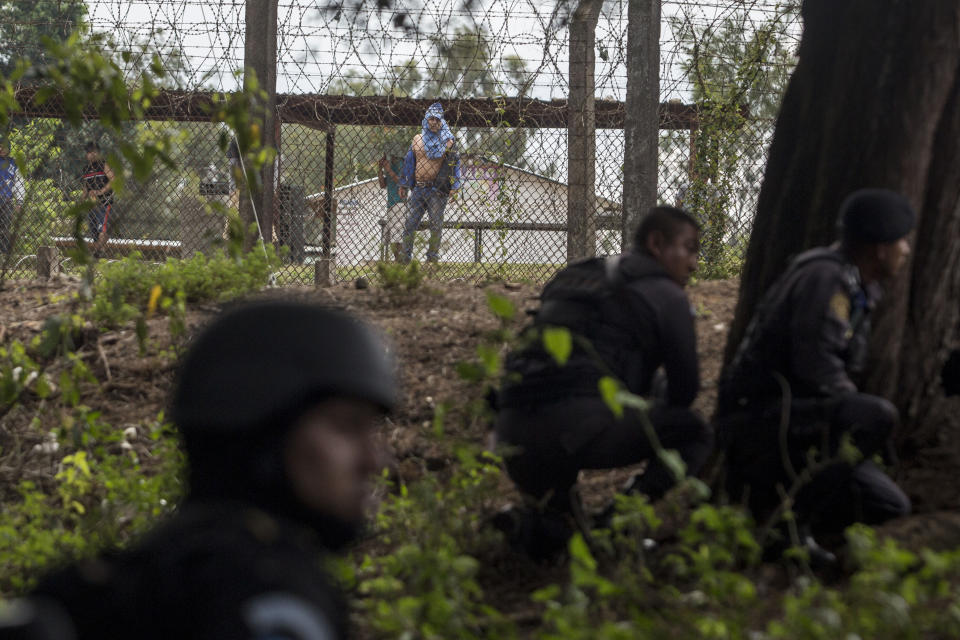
506, 219
339, 158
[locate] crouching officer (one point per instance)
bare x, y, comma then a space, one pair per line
278, 405
629, 317
792, 384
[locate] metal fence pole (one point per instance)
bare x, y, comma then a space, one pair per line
641, 126
327, 244
260, 56
581, 135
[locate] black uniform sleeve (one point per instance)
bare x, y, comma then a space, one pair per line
819, 332
679, 348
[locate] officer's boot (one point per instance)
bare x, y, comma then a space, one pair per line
818, 557
540, 534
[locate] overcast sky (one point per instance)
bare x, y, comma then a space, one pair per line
315, 49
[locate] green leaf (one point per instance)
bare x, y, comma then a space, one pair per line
699, 488
470, 371
632, 400
501, 307
142, 333
43, 386
672, 460
847, 451
580, 552
558, 343
490, 358
608, 391
439, 416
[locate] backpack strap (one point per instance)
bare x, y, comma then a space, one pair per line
611, 266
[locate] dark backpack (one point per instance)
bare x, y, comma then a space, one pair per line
584, 283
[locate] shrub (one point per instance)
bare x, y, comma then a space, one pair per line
127, 285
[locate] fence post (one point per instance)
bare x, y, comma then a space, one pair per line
641, 127
384, 239
581, 133
46, 262
322, 269
478, 245
321, 272
260, 56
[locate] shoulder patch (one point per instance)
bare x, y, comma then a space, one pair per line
840, 306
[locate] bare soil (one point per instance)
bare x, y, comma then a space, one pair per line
432, 330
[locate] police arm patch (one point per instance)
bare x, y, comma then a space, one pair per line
840, 306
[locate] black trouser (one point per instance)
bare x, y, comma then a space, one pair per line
551, 443
839, 494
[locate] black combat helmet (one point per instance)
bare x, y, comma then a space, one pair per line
264, 362
248, 378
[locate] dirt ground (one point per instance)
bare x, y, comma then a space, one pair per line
432, 330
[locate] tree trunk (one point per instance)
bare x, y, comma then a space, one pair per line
581, 133
874, 102
923, 313
641, 129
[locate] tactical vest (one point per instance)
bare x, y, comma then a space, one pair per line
745, 373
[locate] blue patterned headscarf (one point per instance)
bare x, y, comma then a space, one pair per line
436, 143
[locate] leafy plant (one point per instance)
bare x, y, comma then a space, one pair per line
128, 286
427, 586
397, 277
103, 497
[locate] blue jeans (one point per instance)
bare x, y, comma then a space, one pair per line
97, 219
424, 199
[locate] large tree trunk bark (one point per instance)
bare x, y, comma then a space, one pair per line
923, 310
641, 127
861, 110
873, 103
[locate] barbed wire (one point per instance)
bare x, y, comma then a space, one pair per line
317, 51
513, 210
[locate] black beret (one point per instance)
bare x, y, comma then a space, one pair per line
876, 216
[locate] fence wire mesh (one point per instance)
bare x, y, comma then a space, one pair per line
353, 87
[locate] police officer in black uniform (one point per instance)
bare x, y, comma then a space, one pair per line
635, 321
792, 385
278, 405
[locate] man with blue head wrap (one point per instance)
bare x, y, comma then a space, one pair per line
436, 139
431, 171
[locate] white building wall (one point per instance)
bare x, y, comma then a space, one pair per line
488, 194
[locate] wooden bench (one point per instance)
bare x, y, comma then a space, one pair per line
151, 249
